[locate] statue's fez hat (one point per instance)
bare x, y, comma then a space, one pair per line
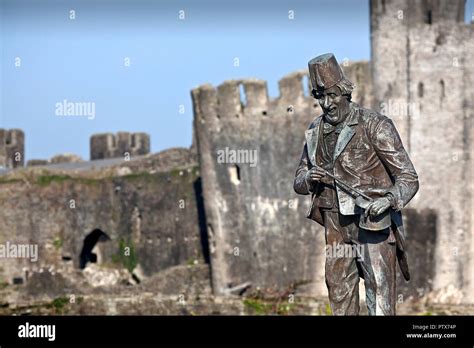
324, 71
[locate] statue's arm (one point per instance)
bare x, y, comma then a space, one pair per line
300, 185
389, 148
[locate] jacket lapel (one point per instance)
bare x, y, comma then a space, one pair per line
346, 134
312, 136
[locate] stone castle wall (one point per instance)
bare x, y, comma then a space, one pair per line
12, 148
155, 214
423, 77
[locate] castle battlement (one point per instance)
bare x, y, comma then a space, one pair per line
291, 87
415, 12
109, 145
12, 148
248, 98
227, 100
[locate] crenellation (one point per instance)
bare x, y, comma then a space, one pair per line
141, 143
360, 75
205, 108
229, 102
109, 145
435, 11
256, 94
291, 88
100, 145
411, 13
226, 99
123, 144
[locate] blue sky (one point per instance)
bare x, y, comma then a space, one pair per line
82, 60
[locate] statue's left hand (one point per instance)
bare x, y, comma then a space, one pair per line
377, 207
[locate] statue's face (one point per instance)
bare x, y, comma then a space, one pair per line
335, 105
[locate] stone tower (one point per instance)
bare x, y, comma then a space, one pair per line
256, 233
12, 148
108, 145
423, 79
255, 221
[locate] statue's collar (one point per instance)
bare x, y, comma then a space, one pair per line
353, 117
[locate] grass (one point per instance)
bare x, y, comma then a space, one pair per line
58, 243
268, 307
162, 176
45, 180
126, 257
257, 306
328, 309
59, 304
8, 181
192, 262
137, 176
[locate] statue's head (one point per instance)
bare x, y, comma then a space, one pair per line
332, 89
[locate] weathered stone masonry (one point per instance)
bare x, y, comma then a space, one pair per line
108, 145
422, 59
12, 148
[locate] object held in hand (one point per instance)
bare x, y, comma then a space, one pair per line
367, 221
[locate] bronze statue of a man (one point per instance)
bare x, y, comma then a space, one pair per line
359, 176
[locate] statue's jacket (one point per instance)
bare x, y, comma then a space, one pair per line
369, 156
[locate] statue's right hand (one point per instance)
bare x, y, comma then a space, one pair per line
315, 175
